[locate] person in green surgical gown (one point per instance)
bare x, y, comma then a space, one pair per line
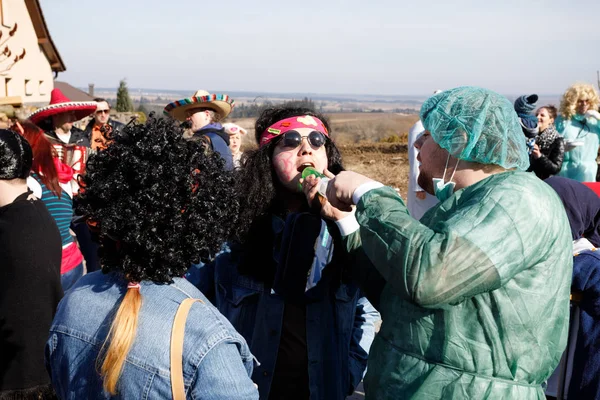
475, 300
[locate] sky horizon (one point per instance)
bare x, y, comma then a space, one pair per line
226, 91
385, 48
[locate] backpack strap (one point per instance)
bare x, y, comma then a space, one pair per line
220, 146
177, 335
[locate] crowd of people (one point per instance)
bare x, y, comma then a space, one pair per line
157, 260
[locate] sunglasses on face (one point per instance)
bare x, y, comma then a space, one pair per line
102, 111
293, 139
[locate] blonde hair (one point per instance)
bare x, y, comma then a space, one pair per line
579, 91
120, 339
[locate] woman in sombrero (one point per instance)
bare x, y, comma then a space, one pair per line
50, 182
204, 112
72, 148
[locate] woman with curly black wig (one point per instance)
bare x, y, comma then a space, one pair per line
158, 202
281, 283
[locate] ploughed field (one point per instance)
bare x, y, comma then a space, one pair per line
385, 162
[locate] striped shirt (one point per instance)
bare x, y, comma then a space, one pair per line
61, 209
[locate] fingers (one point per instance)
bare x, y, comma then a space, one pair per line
310, 187
332, 197
328, 174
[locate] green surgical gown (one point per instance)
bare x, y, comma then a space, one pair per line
476, 300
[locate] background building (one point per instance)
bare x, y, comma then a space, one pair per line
29, 60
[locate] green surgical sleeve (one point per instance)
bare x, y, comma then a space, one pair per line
363, 271
442, 265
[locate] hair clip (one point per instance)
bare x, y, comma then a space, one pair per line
133, 285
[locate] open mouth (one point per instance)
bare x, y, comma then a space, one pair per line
305, 165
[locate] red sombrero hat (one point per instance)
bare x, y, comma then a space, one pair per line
59, 104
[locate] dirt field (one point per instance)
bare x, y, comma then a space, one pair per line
385, 162
359, 136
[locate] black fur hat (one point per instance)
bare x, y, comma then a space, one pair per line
157, 201
15, 156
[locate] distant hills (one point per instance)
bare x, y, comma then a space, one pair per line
386, 101
269, 95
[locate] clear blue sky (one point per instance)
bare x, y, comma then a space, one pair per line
378, 47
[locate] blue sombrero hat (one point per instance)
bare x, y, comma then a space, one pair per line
222, 104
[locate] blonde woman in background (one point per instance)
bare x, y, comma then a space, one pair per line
579, 125
235, 133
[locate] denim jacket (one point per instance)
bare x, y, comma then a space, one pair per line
339, 326
216, 359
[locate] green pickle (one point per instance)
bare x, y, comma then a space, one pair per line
311, 171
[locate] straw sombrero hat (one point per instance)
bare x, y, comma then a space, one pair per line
222, 104
59, 104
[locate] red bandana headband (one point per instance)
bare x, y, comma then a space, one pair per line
288, 124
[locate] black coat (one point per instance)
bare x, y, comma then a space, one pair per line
550, 162
30, 289
78, 137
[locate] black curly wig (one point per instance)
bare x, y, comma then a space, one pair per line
158, 201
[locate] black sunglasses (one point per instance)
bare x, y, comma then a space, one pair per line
293, 139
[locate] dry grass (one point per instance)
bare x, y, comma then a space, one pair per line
385, 162
357, 136
355, 127
369, 127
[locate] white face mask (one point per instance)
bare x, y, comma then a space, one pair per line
443, 190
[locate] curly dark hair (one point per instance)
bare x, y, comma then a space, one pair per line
262, 195
257, 183
158, 201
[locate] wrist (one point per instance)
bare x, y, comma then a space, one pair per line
348, 224
364, 188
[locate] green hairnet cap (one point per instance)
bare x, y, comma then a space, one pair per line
475, 124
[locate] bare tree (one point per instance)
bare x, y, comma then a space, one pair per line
6, 55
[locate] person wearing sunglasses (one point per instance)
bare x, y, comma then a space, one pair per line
201, 114
281, 282
101, 125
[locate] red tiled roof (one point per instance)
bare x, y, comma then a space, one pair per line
72, 92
